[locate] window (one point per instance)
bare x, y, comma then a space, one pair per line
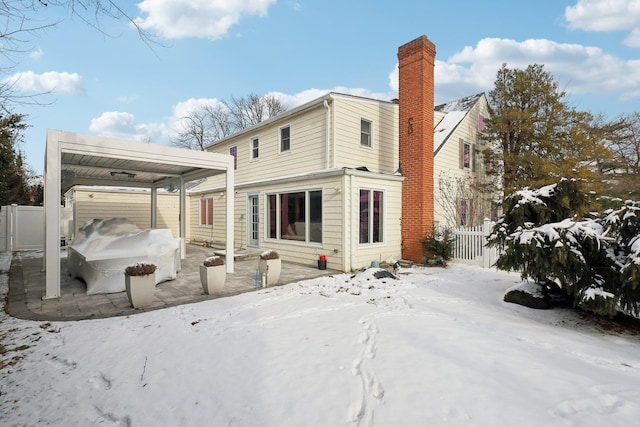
234, 152
255, 148
206, 211
295, 216
464, 213
365, 132
285, 139
480, 122
466, 155
371, 210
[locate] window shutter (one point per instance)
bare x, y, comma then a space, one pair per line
473, 157
461, 155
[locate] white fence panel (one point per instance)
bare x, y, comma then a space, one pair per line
470, 245
24, 227
4, 228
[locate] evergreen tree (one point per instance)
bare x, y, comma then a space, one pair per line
13, 176
595, 261
542, 138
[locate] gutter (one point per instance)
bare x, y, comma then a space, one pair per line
327, 129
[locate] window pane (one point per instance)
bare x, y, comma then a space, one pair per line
292, 216
285, 140
377, 216
364, 216
271, 219
234, 152
466, 155
315, 216
209, 211
365, 133
255, 148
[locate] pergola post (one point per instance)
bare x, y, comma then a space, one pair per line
230, 193
52, 191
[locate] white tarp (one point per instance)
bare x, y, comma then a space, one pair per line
104, 248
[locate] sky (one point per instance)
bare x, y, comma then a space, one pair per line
112, 83
438, 347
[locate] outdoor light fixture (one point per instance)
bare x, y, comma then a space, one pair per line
123, 175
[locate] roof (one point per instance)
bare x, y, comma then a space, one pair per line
454, 112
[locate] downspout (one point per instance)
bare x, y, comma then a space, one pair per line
354, 223
328, 127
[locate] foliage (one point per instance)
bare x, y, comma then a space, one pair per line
450, 190
542, 138
140, 269
210, 123
14, 187
213, 261
439, 243
270, 254
595, 259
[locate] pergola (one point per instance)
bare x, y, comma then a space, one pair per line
94, 160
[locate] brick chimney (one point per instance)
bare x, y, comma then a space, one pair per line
416, 60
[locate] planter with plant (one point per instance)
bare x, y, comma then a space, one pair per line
269, 267
140, 283
213, 275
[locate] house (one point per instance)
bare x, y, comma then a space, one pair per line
352, 178
466, 190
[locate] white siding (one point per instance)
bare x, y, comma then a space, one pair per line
447, 160
134, 205
346, 117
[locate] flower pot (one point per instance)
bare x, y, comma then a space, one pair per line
140, 289
272, 268
212, 279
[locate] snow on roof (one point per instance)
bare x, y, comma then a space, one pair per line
455, 111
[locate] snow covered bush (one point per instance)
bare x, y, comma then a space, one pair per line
439, 243
269, 254
140, 269
595, 260
213, 261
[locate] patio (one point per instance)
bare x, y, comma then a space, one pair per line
27, 286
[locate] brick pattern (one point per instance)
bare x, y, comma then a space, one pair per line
416, 101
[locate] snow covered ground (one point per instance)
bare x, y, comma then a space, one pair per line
437, 348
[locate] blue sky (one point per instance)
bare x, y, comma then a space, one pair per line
117, 86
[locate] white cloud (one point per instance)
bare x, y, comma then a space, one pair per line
633, 39
603, 15
51, 81
113, 123
36, 54
210, 19
578, 69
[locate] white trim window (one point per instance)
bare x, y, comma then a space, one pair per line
285, 139
466, 155
295, 216
255, 148
206, 212
233, 150
366, 133
371, 208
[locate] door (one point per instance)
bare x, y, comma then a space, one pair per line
253, 216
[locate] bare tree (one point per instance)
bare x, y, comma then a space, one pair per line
453, 191
621, 173
253, 109
202, 127
212, 122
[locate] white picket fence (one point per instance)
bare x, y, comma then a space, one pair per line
470, 245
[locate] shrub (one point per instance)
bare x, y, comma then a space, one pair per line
270, 254
213, 261
140, 269
439, 243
